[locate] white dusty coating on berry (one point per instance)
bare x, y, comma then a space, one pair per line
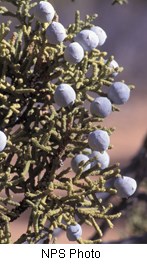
119, 93
101, 34
3, 141
99, 140
77, 160
87, 39
102, 158
64, 95
55, 33
44, 12
126, 186
101, 107
74, 232
113, 64
74, 53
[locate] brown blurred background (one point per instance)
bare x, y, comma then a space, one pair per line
127, 41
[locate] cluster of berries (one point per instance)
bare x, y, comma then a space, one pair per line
65, 96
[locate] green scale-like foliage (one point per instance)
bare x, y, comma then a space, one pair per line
41, 137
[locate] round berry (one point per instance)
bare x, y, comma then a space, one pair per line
119, 93
77, 160
99, 140
101, 107
74, 53
87, 39
55, 33
44, 12
126, 186
102, 158
64, 95
113, 64
74, 232
101, 34
3, 140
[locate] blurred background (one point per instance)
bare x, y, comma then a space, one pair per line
127, 40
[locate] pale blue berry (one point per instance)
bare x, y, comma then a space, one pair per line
101, 34
74, 53
102, 158
113, 64
74, 232
44, 12
101, 107
87, 39
119, 93
99, 140
3, 141
77, 160
126, 186
64, 95
55, 33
